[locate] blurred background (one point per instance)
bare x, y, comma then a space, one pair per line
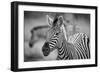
35, 29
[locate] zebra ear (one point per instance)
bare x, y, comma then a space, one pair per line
49, 20
60, 20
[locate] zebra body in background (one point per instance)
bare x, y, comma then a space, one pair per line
77, 47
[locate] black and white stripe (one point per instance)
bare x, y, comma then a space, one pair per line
74, 47
53, 42
79, 49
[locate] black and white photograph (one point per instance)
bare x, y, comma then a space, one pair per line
53, 36
56, 36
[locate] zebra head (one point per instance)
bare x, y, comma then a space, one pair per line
54, 35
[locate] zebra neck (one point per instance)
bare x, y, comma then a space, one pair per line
62, 52
64, 32
66, 51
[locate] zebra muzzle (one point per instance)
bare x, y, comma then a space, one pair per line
46, 49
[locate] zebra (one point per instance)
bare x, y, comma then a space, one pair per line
75, 48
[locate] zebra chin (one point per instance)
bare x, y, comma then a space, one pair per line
46, 49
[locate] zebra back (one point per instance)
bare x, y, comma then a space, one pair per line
81, 45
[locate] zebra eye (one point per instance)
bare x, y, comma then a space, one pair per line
57, 33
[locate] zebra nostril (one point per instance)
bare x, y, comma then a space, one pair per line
46, 50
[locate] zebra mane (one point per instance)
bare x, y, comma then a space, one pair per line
64, 31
